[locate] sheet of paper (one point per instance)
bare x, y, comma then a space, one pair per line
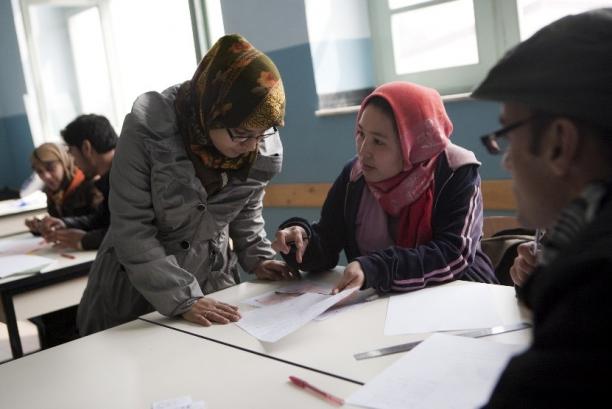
355, 301
449, 307
273, 322
34, 201
288, 292
22, 264
22, 245
445, 371
184, 402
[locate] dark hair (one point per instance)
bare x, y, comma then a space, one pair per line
94, 128
382, 104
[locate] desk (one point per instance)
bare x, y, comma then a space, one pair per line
57, 286
328, 345
12, 217
135, 364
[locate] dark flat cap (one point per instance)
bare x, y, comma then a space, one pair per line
565, 68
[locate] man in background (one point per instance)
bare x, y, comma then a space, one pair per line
555, 91
91, 141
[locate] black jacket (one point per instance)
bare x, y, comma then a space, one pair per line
95, 223
569, 363
453, 253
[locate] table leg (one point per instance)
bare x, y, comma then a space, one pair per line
11, 325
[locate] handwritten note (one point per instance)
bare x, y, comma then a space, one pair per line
444, 371
273, 322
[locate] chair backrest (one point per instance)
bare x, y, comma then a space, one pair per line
493, 224
501, 237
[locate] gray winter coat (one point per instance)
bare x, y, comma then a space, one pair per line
168, 241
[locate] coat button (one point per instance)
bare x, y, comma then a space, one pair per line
202, 206
185, 245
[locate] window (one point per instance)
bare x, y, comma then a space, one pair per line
451, 44
97, 56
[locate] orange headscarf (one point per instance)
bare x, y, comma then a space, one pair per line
424, 130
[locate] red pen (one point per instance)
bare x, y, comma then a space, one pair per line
327, 396
70, 256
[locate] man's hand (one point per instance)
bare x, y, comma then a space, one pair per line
275, 270
524, 263
205, 311
66, 238
353, 276
291, 235
50, 224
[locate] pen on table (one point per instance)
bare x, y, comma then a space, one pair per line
327, 396
70, 256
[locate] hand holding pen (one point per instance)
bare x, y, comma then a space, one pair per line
526, 260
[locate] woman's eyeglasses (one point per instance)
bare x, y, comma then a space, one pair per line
240, 136
497, 142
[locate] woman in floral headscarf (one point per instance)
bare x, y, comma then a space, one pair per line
68, 193
189, 175
407, 210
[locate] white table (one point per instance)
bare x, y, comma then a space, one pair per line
328, 345
58, 286
135, 364
13, 215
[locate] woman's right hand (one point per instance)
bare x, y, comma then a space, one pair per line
524, 263
205, 311
291, 235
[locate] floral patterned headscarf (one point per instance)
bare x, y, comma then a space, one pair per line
235, 86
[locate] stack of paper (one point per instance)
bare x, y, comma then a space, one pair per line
22, 264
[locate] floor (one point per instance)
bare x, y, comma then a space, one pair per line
29, 339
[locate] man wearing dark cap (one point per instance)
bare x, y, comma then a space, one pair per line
555, 91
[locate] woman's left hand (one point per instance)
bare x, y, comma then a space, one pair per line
353, 276
275, 270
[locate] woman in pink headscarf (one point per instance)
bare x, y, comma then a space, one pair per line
407, 210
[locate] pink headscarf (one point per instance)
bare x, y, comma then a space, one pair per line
424, 130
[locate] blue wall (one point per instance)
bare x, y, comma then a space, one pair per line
15, 137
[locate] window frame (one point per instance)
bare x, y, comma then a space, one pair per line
39, 120
497, 29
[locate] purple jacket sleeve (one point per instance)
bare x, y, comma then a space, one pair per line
457, 228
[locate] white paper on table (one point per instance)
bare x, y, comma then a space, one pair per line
355, 301
273, 322
184, 402
444, 371
289, 291
22, 264
449, 307
22, 245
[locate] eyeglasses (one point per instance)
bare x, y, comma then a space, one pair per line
240, 136
497, 142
